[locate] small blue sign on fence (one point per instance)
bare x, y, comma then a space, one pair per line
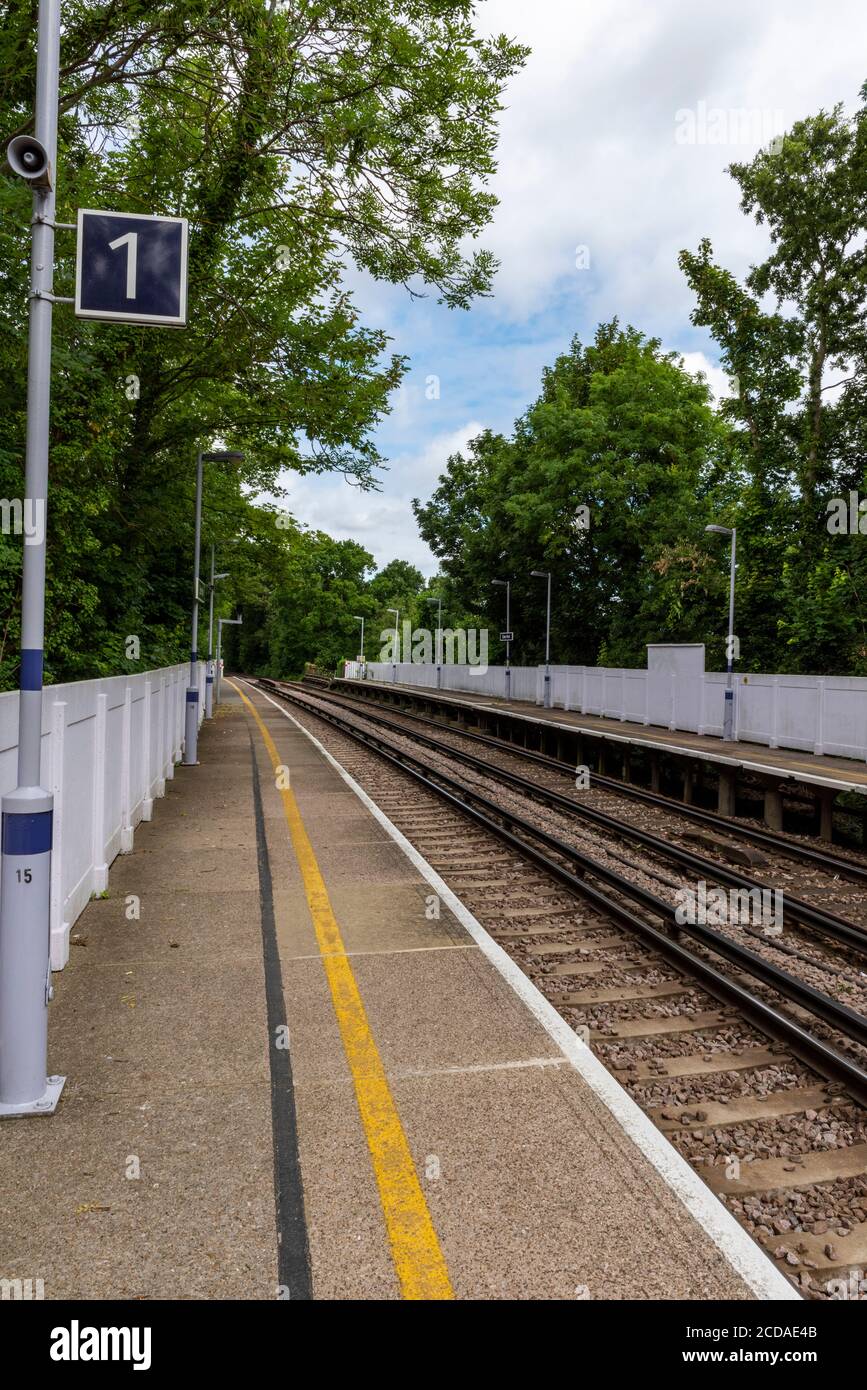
131, 268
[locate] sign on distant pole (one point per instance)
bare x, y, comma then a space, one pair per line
507, 636
131, 268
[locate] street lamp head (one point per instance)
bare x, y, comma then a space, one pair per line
539, 574
223, 456
720, 530
224, 575
358, 618
501, 582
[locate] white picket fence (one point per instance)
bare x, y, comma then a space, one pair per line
820, 714
108, 747
480, 680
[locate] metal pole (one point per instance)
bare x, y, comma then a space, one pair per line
548, 649
396, 652
28, 812
728, 716
220, 621
209, 678
191, 726
439, 642
508, 641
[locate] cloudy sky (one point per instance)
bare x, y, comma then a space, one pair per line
595, 169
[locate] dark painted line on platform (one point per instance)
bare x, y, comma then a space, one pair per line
293, 1250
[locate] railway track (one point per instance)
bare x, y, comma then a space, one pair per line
757, 1076
797, 910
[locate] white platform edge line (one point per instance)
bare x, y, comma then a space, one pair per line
745, 1257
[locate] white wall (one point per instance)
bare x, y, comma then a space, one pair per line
822, 714
108, 747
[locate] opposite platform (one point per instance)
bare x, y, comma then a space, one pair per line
425, 1133
841, 774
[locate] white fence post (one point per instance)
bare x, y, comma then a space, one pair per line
178, 718
169, 745
622, 694
672, 723
126, 832
160, 786
775, 712
58, 928
147, 805
100, 730
819, 745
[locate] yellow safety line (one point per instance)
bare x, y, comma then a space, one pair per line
418, 1259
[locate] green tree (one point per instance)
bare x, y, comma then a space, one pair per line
296, 138
793, 336
606, 482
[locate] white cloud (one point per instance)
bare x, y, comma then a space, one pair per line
588, 153
719, 381
380, 521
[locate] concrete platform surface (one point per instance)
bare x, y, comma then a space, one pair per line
445, 1143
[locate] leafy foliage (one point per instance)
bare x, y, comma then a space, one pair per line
606, 482
793, 336
295, 137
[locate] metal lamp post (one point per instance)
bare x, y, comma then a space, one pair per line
396, 652
729, 710
28, 811
439, 642
360, 619
233, 622
209, 677
191, 724
546, 574
507, 585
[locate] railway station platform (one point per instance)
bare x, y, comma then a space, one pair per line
287, 1079
738, 778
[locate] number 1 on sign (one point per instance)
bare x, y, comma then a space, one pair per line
130, 240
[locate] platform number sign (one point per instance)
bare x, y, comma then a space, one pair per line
507, 636
131, 268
